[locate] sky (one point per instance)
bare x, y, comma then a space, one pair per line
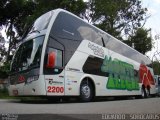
153, 22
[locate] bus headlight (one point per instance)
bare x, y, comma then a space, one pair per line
32, 78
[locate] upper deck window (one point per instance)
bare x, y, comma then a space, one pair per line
67, 26
42, 22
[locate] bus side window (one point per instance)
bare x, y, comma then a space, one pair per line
58, 54
58, 61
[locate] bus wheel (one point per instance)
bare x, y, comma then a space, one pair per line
86, 91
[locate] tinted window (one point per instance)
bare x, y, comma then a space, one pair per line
28, 55
16, 60
58, 61
93, 66
42, 22
70, 27
119, 47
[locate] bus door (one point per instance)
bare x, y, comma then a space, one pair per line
53, 69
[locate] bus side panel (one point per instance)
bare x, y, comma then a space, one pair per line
102, 90
55, 84
99, 65
72, 83
74, 73
122, 75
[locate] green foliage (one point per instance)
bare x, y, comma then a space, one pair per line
113, 16
4, 66
4, 70
2, 48
18, 15
156, 67
13, 14
42, 6
4, 93
119, 18
142, 42
116, 16
23, 12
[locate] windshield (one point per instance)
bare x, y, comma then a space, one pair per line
28, 55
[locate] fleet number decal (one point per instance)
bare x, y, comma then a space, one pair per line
54, 89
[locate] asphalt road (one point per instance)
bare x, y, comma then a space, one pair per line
41, 108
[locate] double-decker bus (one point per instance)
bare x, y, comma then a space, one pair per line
62, 55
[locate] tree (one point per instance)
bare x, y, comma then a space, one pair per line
14, 11
156, 67
42, 6
4, 70
4, 67
22, 13
116, 16
142, 42
2, 48
18, 15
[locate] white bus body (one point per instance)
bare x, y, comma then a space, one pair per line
62, 55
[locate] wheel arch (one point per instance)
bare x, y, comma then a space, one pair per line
91, 80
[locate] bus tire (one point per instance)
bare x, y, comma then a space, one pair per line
86, 91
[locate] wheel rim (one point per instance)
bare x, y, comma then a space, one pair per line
86, 91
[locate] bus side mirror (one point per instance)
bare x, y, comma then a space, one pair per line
51, 60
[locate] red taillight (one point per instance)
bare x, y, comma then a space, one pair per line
21, 79
51, 60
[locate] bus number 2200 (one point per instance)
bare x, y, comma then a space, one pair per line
54, 89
